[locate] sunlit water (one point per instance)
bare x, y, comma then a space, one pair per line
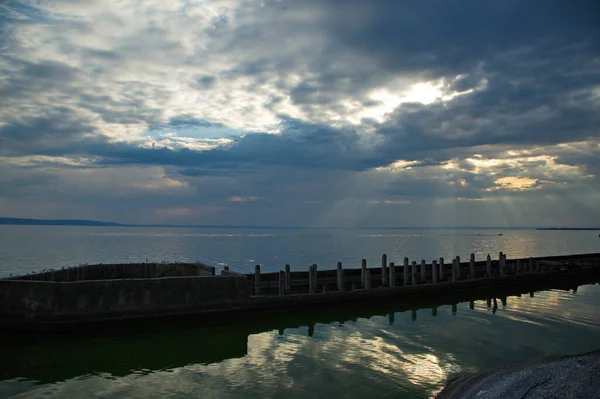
350, 352
30, 248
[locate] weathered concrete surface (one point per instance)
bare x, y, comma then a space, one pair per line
268, 284
569, 377
121, 271
44, 300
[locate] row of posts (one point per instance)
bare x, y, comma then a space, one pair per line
413, 313
410, 272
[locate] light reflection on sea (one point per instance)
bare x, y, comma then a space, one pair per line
32, 248
351, 355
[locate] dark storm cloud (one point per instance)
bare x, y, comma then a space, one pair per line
533, 59
302, 145
530, 67
54, 134
444, 37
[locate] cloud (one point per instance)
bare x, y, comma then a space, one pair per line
330, 109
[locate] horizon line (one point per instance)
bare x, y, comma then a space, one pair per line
95, 223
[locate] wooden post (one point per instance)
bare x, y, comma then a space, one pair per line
281, 283
442, 277
288, 279
434, 310
488, 266
311, 279
384, 279
368, 279
472, 305
413, 314
363, 271
413, 273
340, 277
454, 307
502, 264
405, 272
392, 274
434, 272
530, 266
423, 271
457, 267
257, 280
472, 266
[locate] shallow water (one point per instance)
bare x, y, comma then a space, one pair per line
32, 248
395, 349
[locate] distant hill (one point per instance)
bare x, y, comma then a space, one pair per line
55, 222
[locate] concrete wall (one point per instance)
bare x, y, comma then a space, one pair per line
45, 300
118, 271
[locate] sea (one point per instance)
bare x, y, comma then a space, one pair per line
392, 349
26, 249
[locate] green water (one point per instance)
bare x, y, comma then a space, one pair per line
395, 349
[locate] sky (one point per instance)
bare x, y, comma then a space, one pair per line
340, 113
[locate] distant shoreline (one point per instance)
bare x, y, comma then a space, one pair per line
95, 223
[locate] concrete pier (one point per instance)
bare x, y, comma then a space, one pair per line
384, 275
454, 270
312, 279
258, 289
257, 280
502, 263
281, 283
288, 279
340, 277
472, 266
363, 273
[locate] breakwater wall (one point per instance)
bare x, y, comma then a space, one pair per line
22, 300
31, 299
120, 271
410, 273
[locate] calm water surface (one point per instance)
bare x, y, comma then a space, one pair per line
33, 248
396, 350
390, 350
